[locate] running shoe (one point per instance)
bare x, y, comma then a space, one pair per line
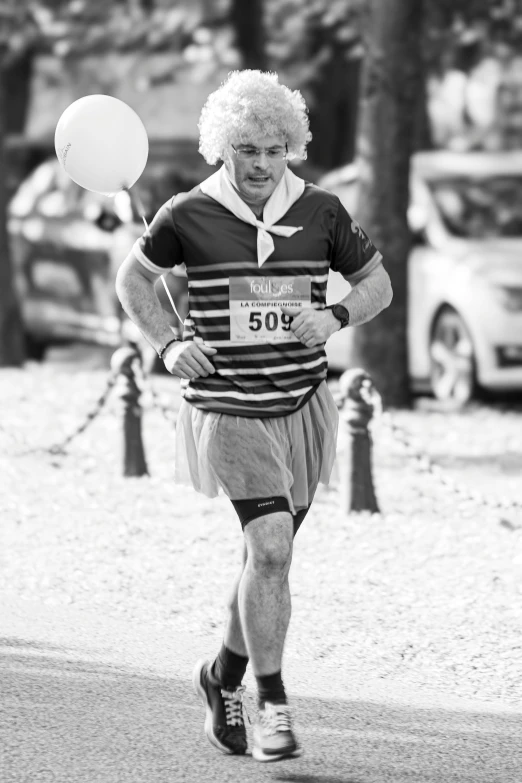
273, 736
224, 723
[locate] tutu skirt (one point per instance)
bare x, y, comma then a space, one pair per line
250, 458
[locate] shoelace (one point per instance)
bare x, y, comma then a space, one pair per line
275, 717
234, 706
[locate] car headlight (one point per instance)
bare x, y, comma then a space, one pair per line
509, 297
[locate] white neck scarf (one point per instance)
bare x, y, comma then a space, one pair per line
219, 187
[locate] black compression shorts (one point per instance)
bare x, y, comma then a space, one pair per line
247, 510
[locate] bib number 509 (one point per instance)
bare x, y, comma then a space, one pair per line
271, 321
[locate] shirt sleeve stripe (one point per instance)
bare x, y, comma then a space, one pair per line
142, 258
367, 269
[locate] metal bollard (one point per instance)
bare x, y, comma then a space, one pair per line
122, 362
356, 411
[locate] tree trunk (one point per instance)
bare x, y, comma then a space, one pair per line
12, 350
391, 85
17, 76
247, 19
423, 136
333, 114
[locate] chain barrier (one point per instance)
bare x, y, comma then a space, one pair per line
147, 385
61, 446
425, 463
168, 414
368, 392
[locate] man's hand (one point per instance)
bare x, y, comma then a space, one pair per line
189, 359
312, 327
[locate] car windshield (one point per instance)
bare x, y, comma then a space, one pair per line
489, 207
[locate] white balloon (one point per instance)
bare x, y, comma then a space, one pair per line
102, 144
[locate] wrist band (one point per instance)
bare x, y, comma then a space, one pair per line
162, 350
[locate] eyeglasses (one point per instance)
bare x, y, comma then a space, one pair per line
273, 153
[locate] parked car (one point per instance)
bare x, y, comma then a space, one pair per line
464, 272
67, 244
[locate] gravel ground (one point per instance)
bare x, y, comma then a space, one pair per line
427, 593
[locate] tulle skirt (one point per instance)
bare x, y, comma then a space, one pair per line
255, 458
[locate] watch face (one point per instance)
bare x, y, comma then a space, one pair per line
342, 314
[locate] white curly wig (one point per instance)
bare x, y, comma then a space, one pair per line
253, 102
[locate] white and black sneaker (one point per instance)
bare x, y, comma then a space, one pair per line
224, 723
274, 738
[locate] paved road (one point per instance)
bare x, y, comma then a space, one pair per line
87, 699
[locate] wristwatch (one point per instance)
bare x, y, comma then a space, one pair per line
341, 313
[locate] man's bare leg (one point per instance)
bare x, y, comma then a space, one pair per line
264, 601
234, 638
259, 615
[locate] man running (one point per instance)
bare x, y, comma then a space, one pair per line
257, 419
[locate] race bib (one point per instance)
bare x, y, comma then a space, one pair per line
255, 307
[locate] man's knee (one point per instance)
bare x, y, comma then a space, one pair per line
269, 541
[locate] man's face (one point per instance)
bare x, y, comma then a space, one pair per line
256, 167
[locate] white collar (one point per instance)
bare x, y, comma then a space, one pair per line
290, 188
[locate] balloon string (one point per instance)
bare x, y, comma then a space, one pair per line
171, 299
139, 206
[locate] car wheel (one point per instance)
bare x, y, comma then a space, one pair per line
452, 360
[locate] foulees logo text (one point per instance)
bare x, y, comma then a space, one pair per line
272, 287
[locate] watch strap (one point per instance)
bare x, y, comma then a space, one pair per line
341, 313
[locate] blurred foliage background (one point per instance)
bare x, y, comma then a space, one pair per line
138, 48
382, 79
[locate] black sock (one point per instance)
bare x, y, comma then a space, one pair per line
229, 668
270, 688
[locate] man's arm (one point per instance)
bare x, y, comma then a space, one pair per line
136, 292
371, 295
366, 300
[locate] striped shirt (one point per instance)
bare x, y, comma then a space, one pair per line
254, 378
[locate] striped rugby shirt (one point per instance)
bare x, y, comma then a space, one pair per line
254, 378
